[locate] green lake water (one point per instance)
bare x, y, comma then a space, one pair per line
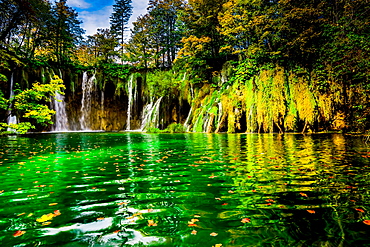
137, 189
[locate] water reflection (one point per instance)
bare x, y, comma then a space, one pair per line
124, 189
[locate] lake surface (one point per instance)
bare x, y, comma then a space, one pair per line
137, 189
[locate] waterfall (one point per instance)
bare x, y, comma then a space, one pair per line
87, 90
102, 108
61, 119
150, 117
11, 119
186, 124
131, 99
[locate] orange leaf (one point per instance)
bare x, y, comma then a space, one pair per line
151, 223
194, 232
360, 210
192, 224
246, 220
311, 211
100, 218
303, 194
53, 204
56, 213
367, 222
19, 233
213, 234
116, 231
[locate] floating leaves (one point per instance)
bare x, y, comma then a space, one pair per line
246, 220
47, 217
367, 222
151, 223
18, 233
213, 234
311, 211
192, 222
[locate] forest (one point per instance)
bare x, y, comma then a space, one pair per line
214, 66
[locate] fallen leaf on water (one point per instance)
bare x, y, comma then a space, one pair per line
122, 203
116, 231
367, 222
197, 216
45, 217
151, 223
100, 218
19, 233
311, 211
303, 194
46, 223
21, 214
194, 232
213, 234
224, 204
150, 210
246, 220
360, 210
57, 213
53, 204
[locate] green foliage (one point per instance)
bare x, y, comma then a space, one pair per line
172, 128
30, 106
175, 128
162, 83
122, 11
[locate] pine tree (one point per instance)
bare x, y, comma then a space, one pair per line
122, 11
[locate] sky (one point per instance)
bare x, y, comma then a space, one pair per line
95, 13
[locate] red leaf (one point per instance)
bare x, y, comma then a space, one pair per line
311, 211
19, 233
367, 222
360, 210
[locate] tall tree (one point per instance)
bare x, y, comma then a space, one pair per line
122, 11
65, 32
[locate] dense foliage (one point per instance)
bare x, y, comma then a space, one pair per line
231, 59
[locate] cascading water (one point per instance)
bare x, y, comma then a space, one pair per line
87, 91
12, 119
186, 124
61, 119
132, 91
102, 107
150, 117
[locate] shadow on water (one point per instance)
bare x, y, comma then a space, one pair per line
138, 189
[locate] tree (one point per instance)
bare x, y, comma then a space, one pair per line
137, 49
65, 32
30, 106
122, 11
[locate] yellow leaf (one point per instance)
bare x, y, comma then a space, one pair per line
45, 217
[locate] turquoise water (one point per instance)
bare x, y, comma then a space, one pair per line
135, 189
